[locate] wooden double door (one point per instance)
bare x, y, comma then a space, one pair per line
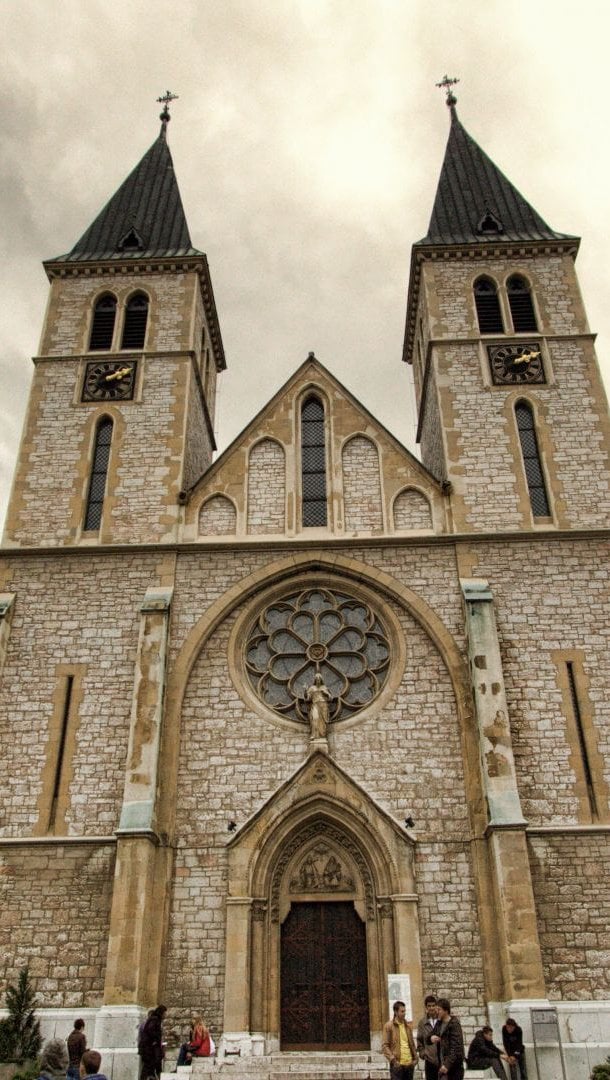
324, 982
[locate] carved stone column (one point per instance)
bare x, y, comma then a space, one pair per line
143, 864
406, 943
236, 1027
515, 924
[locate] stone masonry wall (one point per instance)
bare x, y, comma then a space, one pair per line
266, 488
571, 878
550, 597
82, 614
362, 486
55, 911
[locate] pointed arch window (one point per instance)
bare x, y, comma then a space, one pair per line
102, 327
521, 304
532, 462
136, 317
313, 463
99, 473
487, 304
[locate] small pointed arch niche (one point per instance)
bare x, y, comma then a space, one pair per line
412, 510
266, 488
102, 323
135, 321
362, 495
487, 303
217, 517
521, 304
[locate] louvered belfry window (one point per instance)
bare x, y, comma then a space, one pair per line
99, 472
136, 316
102, 328
531, 460
521, 305
487, 304
313, 463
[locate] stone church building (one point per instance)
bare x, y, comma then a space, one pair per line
182, 818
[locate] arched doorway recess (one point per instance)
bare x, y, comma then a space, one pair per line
319, 843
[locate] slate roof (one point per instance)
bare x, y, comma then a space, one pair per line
147, 202
472, 189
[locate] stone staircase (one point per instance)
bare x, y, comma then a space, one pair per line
361, 1065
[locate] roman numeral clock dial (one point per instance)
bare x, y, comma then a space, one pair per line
109, 381
516, 363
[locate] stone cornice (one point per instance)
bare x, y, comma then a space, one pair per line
304, 543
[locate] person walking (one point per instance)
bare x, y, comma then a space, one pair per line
398, 1044
426, 1050
449, 1039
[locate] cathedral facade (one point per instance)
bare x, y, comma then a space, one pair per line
279, 725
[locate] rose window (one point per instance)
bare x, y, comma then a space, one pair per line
317, 631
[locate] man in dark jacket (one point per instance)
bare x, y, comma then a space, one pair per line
427, 1026
484, 1054
450, 1042
77, 1044
150, 1044
512, 1038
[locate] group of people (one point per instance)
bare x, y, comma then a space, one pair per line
70, 1060
439, 1044
151, 1046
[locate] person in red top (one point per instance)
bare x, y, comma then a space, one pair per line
199, 1044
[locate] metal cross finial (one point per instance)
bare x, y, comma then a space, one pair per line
445, 84
164, 101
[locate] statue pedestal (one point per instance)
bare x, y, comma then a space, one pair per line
318, 744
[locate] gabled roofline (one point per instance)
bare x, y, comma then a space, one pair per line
486, 249
196, 262
317, 368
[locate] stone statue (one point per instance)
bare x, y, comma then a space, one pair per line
318, 697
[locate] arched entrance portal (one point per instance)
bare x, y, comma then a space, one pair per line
323, 978
321, 907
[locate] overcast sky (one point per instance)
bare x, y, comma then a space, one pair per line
307, 140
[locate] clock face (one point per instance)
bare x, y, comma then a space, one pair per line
516, 363
109, 381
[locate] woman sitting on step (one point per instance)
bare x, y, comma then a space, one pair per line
200, 1043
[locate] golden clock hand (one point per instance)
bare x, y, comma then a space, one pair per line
117, 374
526, 357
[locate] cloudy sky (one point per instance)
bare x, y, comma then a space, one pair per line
307, 139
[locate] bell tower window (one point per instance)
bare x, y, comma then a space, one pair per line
136, 317
487, 304
313, 463
521, 305
99, 472
531, 460
102, 327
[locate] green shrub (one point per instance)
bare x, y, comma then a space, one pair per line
602, 1072
20, 1038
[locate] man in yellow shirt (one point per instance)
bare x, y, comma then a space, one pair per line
398, 1044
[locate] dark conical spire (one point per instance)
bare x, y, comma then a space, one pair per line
474, 200
143, 219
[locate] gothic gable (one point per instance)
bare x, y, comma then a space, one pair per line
314, 461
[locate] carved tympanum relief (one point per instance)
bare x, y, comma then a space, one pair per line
321, 870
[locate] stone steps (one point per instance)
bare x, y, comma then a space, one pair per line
365, 1065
